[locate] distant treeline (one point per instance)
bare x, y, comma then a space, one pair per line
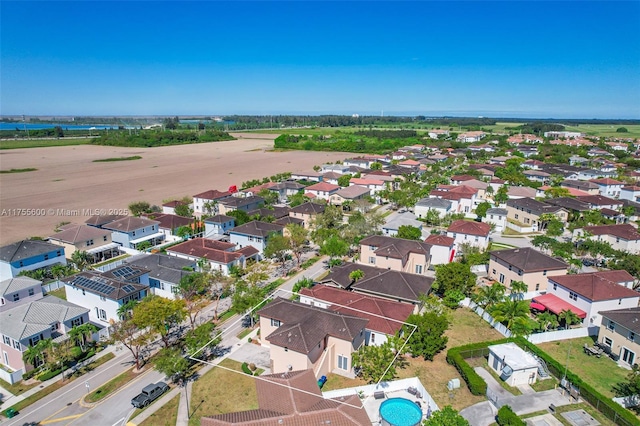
537, 128
345, 142
387, 134
153, 138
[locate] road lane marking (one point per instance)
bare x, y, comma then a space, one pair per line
60, 419
119, 421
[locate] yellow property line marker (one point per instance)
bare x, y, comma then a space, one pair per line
60, 419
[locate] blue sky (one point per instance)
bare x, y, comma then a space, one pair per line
505, 58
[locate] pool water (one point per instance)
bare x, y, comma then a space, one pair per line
400, 412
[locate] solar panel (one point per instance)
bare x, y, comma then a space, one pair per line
124, 272
129, 288
97, 284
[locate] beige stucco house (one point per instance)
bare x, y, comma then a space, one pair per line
95, 241
307, 212
526, 265
527, 211
619, 331
396, 254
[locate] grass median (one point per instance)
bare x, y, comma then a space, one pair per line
113, 384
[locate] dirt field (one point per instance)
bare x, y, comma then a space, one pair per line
67, 181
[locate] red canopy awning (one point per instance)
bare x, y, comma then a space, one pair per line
557, 305
537, 306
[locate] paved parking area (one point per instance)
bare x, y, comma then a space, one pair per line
252, 353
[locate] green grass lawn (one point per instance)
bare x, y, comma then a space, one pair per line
608, 130
601, 373
42, 143
113, 384
60, 293
166, 415
20, 387
220, 391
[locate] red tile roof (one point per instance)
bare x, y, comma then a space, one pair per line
212, 194
624, 231
323, 186
216, 251
597, 286
439, 240
470, 227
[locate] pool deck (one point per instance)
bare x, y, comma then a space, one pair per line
372, 405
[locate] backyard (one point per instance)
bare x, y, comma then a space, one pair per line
601, 373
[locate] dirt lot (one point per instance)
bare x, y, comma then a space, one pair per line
67, 181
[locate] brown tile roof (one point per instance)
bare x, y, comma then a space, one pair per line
76, 233
216, 251
294, 399
258, 188
470, 227
237, 202
624, 231
610, 213
599, 200
461, 178
397, 248
606, 181
219, 218
323, 186
275, 212
597, 286
439, 240
628, 318
535, 206
529, 260
385, 316
353, 191
521, 191
212, 194
304, 327
171, 221
130, 223
102, 220
381, 282
174, 203
284, 221
257, 228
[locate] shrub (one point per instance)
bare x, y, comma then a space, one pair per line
246, 369
49, 375
252, 367
476, 384
30, 374
506, 417
76, 352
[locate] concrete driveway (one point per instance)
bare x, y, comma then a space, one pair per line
252, 353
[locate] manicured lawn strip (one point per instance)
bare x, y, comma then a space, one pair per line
29, 169
307, 263
166, 415
41, 143
244, 333
582, 406
222, 392
544, 385
113, 259
108, 160
601, 373
18, 388
59, 293
335, 381
111, 385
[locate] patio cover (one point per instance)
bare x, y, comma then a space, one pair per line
557, 305
538, 306
103, 248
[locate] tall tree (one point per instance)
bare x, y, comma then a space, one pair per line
132, 337
481, 209
501, 195
194, 290
200, 342
277, 248
409, 232
160, 315
517, 289
172, 363
454, 276
298, 239
344, 180
334, 247
568, 318
81, 259
509, 311
490, 295
446, 416
428, 338
139, 207
372, 361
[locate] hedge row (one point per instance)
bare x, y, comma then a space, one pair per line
506, 417
50, 374
476, 384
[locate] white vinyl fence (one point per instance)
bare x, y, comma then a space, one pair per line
10, 378
53, 285
552, 336
488, 318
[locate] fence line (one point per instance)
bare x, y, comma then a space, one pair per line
552, 336
109, 266
488, 318
53, 285
11, 378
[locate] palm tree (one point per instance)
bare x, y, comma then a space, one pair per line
547, 320
81, 259
82, 333
126, 310
509, 311
517, 289
488, 296
58, 271
356, 275
569, 318
35, 354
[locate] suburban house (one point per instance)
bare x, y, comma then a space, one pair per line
98, 221
350, 193
164, 272
573, 206
619, 331
131, 231
301, 337
286, 189
254, 234
206, 202
441, 206
463, 198
395, 253
592, 292
331, 177
608, 187
294, 398
218, 225
29, 255
336, 168
600, 202
245, 204
435, 133
496, 216
386, 283
26, 324
527, 212
385, 317
307, 212
469, 232
517, 192
537, 176
322, 190
103, 295
308, 176
526, 265
95, 241
390, 228
170, 207
631, 193
19, 290
220, 255
168, 224
474, 136
442, 248
374, 185
621, 237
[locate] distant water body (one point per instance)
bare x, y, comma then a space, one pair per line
65, 126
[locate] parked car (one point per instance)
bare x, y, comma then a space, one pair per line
149, 394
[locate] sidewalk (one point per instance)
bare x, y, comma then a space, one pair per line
14, 399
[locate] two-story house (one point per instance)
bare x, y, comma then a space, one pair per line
26, 324
608, 187
463, 198
95, 241
527, 212
469, 232
104, 295
322, 190
374, 185
255, 234
307, 212
600, 202
496, 216
220, 255
164, 272
391, 227
349, 194
29, 255
218, 225
206, 203
131, 231
286, 189
442, 249
591, 293
526, 265
19, 290
439, 205
619, 331
631, 193
623, 237
245, 204
168, 224
301, 337
395, 253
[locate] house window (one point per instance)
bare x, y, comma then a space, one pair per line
372, 248
104, 238
275, 323
373, 337
418, 269
632, 336
102, 314
153, 227
491, 216
555, 286
2, 301
104, 299
607, 341
55, 326
76, 322
90, 243
516, 216
58, 253
611, 326
46, 257
6, 358
16, 345
544, 273
526, 220
342, 362
134, 233
372, 260
31, 292
16, 297
520, 272
537, 286
501, 278
6, 340
573, 296
21, 264
510, 268
493, 271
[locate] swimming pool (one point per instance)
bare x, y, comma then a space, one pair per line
400, 412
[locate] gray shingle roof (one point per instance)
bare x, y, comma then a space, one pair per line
628, 318
256, 228
13, 285
528, 259
25, 249
434, 203
37, 316
130, 223
77, 233
163, 267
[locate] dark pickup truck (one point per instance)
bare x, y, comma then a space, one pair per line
149, 394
